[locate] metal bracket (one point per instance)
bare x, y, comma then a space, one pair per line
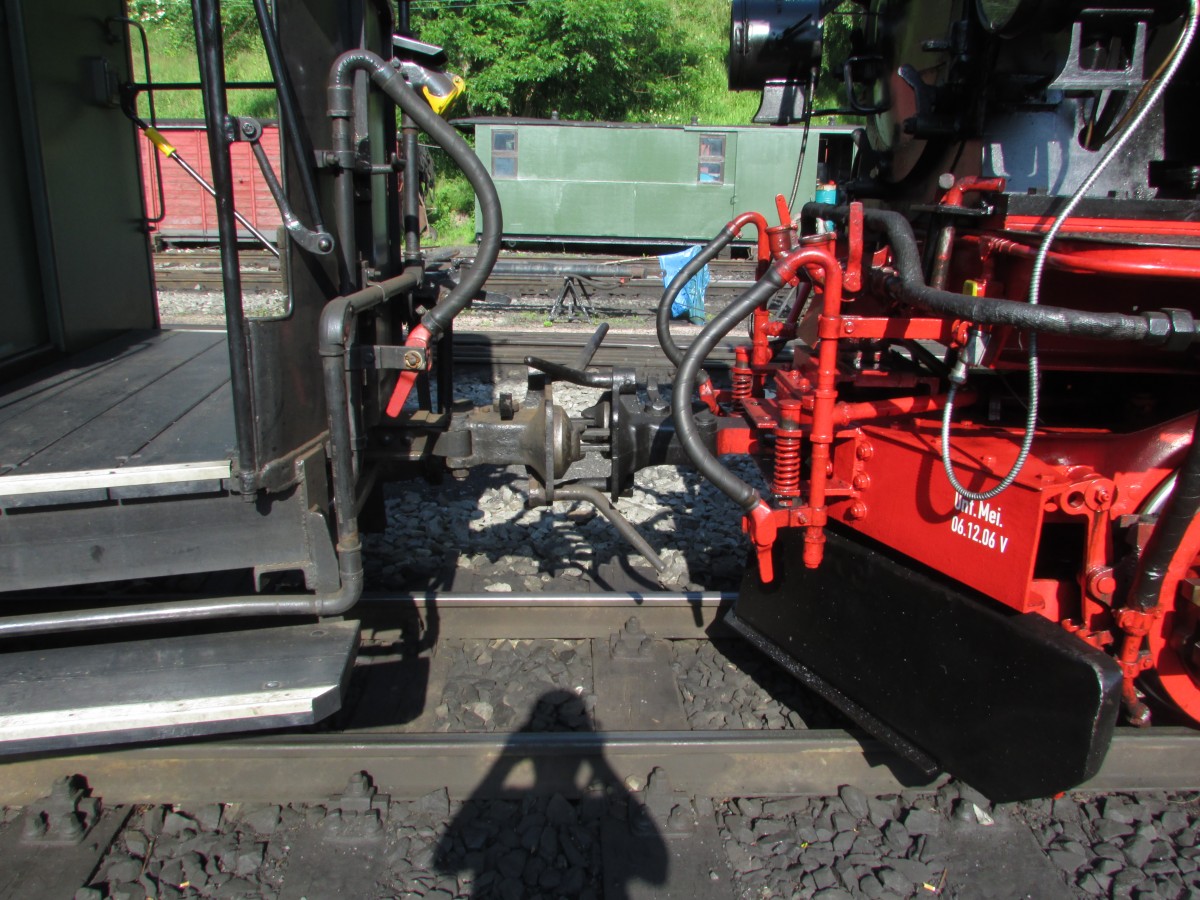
863, 107
249, 129
572, 301
389, 356
1074, 77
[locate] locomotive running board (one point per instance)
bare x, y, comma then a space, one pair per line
176, 687
1011, 704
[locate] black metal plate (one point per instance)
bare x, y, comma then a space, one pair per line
1011, 704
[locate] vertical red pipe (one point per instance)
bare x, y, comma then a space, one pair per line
825, 394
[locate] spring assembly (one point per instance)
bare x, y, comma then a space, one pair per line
742, 377
787, 450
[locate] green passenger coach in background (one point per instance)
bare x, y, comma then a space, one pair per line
604, 183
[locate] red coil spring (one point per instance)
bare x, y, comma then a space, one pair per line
742, 377
743, 386
787, 464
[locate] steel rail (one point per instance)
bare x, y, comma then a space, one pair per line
310, 768
559, 616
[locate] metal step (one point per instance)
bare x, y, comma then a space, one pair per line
175, 687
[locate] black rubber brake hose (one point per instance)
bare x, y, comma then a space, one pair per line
689, 367
690, 270
438, 319
1173, 524
908, 286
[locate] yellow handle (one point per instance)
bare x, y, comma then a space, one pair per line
159, 141
439, 104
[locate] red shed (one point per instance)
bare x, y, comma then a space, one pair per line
191, 214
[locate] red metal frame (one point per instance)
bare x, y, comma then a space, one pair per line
874, 464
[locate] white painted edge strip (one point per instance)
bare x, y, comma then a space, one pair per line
126, 476
159, 714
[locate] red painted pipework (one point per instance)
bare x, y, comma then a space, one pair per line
854, 234
781, 207
968, 183
417, 338
1155, 266
737, 223
847, 413
945, 242
825, 395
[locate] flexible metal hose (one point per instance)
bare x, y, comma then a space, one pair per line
1039, 266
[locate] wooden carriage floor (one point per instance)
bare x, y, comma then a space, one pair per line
146, 414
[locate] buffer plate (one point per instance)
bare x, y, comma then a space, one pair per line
1012, 704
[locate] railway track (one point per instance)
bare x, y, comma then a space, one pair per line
412, 656
392, 808
510, 708
199, 270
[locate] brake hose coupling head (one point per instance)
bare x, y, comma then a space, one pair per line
438, 88
759, 523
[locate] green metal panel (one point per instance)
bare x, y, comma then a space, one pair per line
608, 182
767, 160
87, 152
638, 182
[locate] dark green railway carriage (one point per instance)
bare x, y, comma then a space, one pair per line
598, 182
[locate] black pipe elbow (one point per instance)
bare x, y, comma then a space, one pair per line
438, 319
689, 271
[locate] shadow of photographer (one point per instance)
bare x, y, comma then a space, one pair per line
519, 836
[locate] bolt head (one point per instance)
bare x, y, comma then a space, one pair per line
412, 360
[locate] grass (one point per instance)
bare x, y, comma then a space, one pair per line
178, 64
452, 206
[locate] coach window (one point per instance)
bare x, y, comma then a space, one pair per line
504, 154
712, 159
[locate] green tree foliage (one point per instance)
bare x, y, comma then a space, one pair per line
170, 21
581, 58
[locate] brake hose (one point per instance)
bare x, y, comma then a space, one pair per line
707, 254
1039, 265
689, 367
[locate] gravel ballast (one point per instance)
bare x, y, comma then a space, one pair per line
848, 845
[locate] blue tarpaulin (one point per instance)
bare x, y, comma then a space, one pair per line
690, 301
